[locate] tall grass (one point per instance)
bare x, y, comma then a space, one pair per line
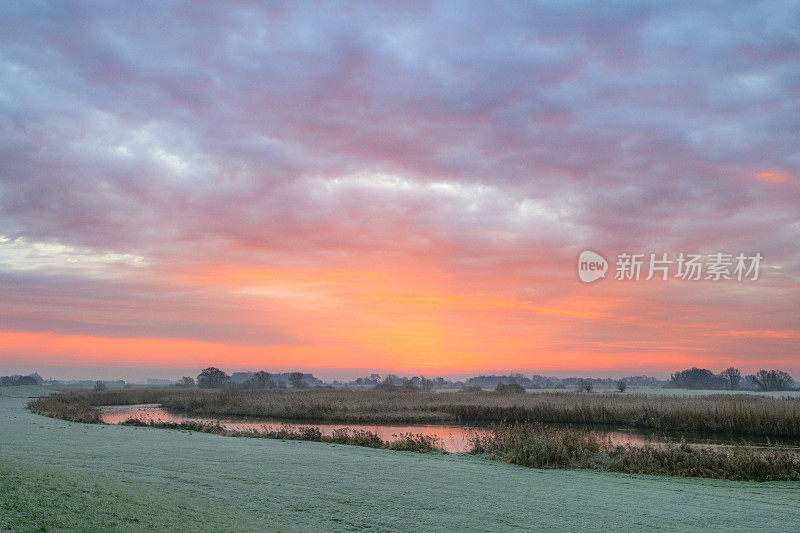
67, 406
540, 447
80, 406
720, 413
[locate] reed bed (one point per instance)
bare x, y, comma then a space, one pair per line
538, 446
72, 407
406, 442
716, 413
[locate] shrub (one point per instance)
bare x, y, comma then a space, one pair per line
510, 387
409, 442
186, 382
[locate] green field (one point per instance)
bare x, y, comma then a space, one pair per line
57, 475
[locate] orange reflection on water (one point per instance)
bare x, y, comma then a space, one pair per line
454, 439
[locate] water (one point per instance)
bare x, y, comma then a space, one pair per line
451, 438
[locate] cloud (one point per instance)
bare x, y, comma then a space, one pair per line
492, 142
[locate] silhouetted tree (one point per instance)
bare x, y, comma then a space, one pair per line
586, 385
622, 386
212, 378
388, 383
262, 380
409, 385
426, 384
296, 380
186, 382
732, 377
773, 380
10, 381
696, 379
99, 386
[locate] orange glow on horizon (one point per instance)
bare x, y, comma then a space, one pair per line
417, 318
423, 347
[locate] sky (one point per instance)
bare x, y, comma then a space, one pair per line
345, 188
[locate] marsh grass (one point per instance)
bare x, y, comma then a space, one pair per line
718, 413
538, 446
81, 405
407, 442
66, 406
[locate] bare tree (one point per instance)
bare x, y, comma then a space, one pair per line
773, 380
732, 377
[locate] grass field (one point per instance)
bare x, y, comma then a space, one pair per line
62, 475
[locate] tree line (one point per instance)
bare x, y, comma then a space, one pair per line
692, 378
214, 378
730, 379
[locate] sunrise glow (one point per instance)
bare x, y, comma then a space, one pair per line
273, 189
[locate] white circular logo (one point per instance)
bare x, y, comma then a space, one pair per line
591, 266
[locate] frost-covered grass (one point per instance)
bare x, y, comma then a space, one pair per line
57, 475
541, 447
722, 413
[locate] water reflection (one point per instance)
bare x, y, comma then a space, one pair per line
451, 438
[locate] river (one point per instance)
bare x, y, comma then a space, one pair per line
451, 437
